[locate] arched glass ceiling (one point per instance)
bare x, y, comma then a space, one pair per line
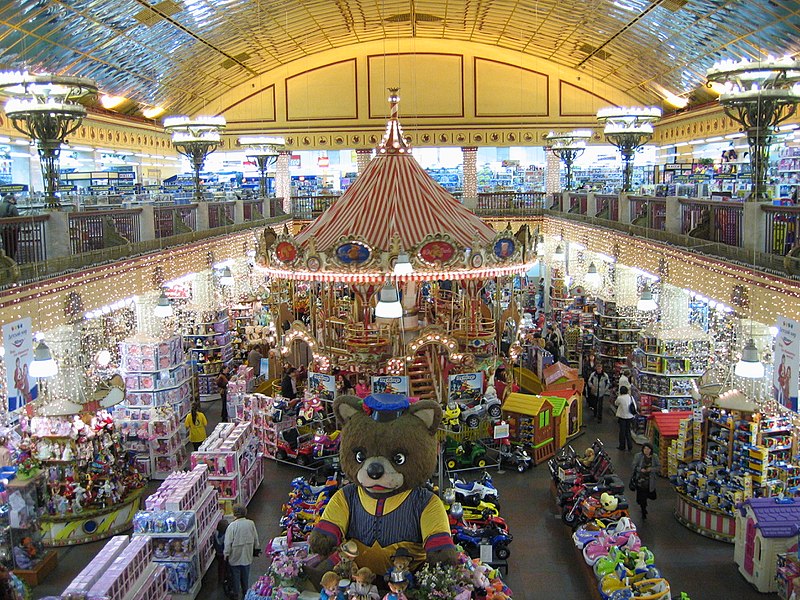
184, 54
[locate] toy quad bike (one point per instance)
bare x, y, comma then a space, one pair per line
463, 455
473, 538
473, 492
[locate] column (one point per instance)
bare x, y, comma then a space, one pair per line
283, 181
552, 173
147, 223
673, 217
591, 205
625, 209
470, 165
754, 226
363, 156
202, 216
238, 212
57, 232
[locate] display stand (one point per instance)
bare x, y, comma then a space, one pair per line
180, 521
19, 525
667, 364
234, 464
208, 341
122, 570
158, 385
707, 522
615, 337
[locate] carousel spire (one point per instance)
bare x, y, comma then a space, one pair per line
393, 141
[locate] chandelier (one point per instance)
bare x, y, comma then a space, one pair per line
44, 108
195, 139
263, 150
628, 128
568, 146
759, 95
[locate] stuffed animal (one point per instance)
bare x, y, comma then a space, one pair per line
608, 502
388, 450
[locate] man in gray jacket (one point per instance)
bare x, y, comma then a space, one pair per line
241, 544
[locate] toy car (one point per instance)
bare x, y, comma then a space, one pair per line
487, 405
516, 457
473, 492
463, 455
291, 447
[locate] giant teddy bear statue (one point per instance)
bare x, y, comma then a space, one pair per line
388, 451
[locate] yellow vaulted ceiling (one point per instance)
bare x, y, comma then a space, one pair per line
187, 54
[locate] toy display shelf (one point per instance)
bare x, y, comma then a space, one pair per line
90, 525
241, 316
121, 570
706, 521
186, 555
615, 337
156, 435
235, 469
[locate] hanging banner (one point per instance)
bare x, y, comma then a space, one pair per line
323, 385
390, 384
18, 344
465, 388
787, 363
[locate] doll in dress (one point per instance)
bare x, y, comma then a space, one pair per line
362, 587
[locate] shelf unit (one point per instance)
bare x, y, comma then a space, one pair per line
666, 365
242, 317
158, 383
788, 170
180, 521
122, 570
207, 339
615, 337
231, 454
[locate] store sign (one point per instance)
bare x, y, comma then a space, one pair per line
18, 344
787, 363
390, 384
13, 188
323, 162
294, 160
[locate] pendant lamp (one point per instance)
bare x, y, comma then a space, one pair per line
389, 306
592, 277
164, 307
646, 302
43, 365
559, 253
402, 265
750, 365
226, 278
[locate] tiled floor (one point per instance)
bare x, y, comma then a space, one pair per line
543, 563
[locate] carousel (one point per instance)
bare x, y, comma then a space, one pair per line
396, 278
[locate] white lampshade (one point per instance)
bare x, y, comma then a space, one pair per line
646, 302
103, 358
750, 365
226, 278
402, 265
164, 307
593, 278
43, 365
389, 306
559, 252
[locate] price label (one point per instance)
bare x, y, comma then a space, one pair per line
486, 553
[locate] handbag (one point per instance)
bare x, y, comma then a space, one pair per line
632, 484
632, 407
652, 495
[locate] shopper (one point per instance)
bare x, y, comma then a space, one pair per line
645, 468
254, 360
196, 423
223, 379
241, 544
223, 574
599, 388
289, 384
9, 231
362, 388
624, 380
626, 412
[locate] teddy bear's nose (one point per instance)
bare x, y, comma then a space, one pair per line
375, 470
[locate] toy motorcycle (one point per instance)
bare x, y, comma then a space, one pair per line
474, 492
325, 444
451, 417
472, 539
516, 457
310, 410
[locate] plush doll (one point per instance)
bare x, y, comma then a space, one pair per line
401, 561
362, 587
330, 587
388, 450
397, 586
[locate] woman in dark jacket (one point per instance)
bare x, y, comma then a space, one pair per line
645, 469
288, 386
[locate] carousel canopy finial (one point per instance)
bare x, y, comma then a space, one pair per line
393, 141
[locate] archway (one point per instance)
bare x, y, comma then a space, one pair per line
430, 358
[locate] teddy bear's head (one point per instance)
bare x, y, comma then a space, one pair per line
387, 444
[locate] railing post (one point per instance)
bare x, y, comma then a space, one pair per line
58, 238
565, 201
147, 222
238, 212
202, 216
673, 217
624, 208
591, 204
754, 226
470, 202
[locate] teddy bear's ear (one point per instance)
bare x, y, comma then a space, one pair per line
346, 406
429, 412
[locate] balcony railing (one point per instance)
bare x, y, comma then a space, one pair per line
782, 228
713, 220
175, 219
308, 208
607, 206
221, 213
253, 209
24, 238
510, 203
96, 229
577, 203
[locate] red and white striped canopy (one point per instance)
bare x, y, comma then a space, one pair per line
394, 194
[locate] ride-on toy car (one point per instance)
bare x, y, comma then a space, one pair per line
487, 405
472, 492
291, 446
463, 455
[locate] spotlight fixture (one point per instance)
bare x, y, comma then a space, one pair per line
750, 365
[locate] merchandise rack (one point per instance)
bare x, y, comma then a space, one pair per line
207, 339
615, 337
180, 520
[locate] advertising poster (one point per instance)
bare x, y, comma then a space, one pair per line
322, 384
787, 361
465, 388
390, 384
18, 344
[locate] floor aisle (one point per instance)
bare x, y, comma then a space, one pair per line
542, 563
